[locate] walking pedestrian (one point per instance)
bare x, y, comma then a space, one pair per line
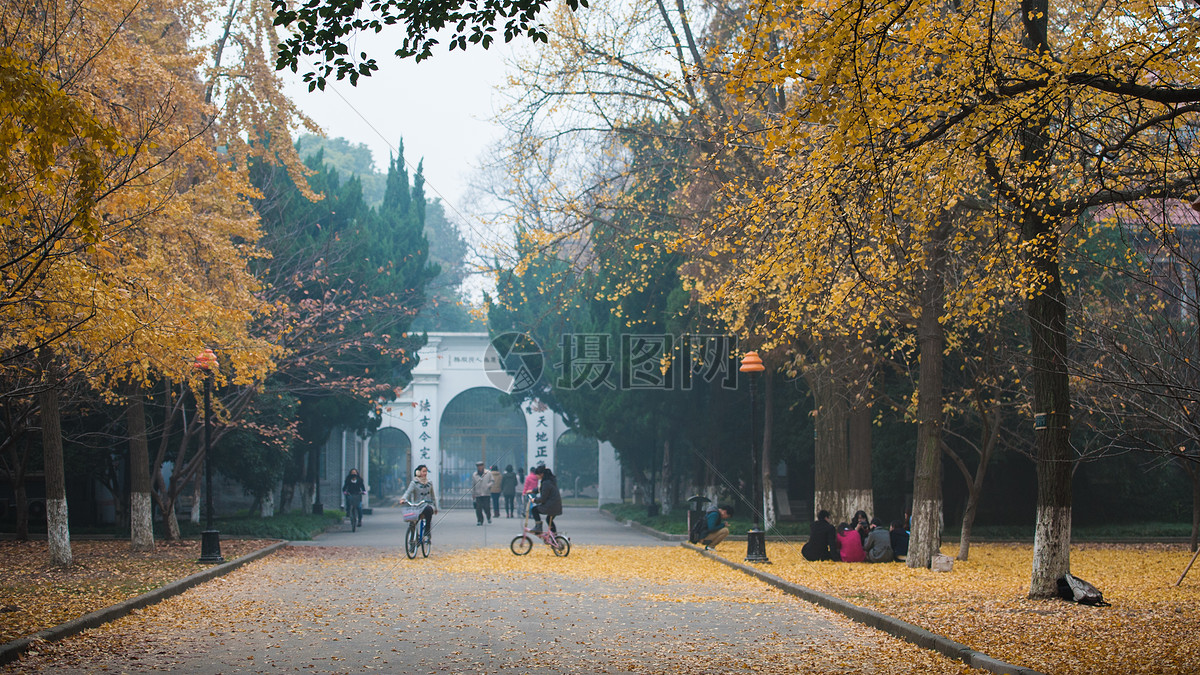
481, 490
508, 488
496, 490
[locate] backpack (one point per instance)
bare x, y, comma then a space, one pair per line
1078, 590
699, 529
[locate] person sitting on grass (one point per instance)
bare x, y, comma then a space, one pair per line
899, 537
849, 543
718, 525
822, 541
879, 543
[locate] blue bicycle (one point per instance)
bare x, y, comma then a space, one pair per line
417, 536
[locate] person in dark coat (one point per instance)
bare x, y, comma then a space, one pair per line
508, 489
899, 537
822, 541
548, 502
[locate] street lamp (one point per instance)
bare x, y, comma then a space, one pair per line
210, 539
756, 538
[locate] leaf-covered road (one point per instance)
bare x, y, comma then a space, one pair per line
604, 609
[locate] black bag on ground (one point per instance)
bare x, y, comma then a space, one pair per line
1077, 590
699, 528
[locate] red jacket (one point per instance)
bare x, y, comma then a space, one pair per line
851, 546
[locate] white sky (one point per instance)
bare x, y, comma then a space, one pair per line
441, 107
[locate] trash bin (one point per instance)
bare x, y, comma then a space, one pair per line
696, 506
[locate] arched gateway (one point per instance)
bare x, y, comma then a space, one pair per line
452, 416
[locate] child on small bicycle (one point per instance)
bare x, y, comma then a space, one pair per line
420, 489
548, 501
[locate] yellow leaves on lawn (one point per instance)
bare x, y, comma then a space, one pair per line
982, 603
36, 595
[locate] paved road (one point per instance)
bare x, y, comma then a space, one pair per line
472, 607
455, 529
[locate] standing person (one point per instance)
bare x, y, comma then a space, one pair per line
481, 490
353, 488
496, 479
508, 488
530, 489
548, 502
879, 543
822, 541
717, 518
420, 489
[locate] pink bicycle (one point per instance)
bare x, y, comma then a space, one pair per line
523, 543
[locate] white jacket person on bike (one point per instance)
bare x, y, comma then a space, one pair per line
421, 490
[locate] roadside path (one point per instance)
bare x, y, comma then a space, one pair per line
472, 607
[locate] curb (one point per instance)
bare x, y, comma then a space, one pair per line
891, 625
642, 528
11, 651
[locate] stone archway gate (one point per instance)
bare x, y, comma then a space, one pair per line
450, 364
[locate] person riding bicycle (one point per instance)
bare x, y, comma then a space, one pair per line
353, 489
420, 489
548, 501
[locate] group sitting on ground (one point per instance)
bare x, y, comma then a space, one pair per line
861, 541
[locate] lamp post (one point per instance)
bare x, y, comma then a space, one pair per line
210, 539
756, 538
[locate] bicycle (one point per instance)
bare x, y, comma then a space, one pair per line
522, 544
353, 509
417, 536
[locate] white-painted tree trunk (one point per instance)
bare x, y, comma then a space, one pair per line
197, 496
1051, 549
141, 522
58, 533
306, 498
267, 508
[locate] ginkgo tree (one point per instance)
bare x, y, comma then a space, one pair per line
147, 263
1060, 106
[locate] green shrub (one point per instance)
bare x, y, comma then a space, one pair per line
290, 526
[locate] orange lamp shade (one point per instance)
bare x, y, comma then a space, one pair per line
751, 363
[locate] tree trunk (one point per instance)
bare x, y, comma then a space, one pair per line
665, 498
1047, 313
18, 462
306, 497
1052, 403
831, 473
21, 495
861, 493
141, 514
1195, 476
968, 520
197, 498
926, 538
58, 532
765, 466
285, 496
